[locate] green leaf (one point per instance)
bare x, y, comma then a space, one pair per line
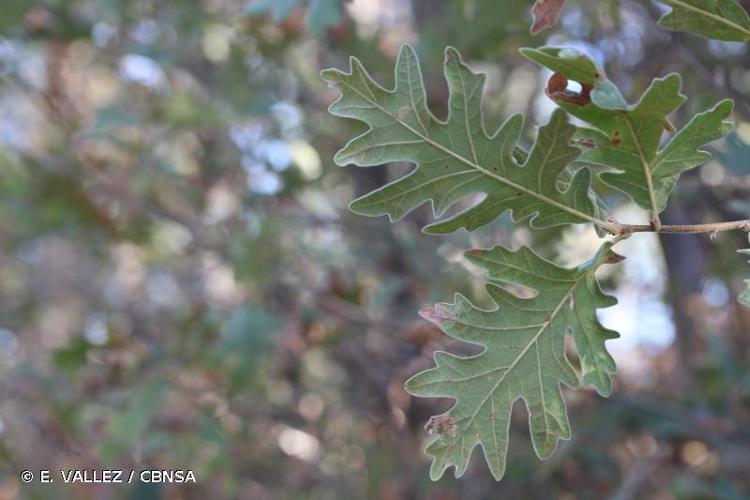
456, 158
717, 19
524, 357
627, 137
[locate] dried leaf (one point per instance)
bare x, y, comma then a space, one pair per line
546, 14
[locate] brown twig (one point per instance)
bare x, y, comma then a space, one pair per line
626, 229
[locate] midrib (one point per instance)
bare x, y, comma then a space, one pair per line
525, 350
645, 165
478, 167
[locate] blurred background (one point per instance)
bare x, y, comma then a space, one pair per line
182, 286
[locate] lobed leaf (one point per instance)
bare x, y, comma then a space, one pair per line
456, 158
524, 357
718, 19
626, 137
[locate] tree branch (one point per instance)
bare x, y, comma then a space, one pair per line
625, 229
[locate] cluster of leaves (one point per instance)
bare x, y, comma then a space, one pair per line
524, 352
717, 19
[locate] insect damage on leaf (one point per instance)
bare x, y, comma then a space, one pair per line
456, 158
718, 19
557, 90
441, 424
546, 14
627, 137
524, 357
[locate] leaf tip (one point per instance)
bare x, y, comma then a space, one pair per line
437, 314
436, 228
452, 55
407, 49
332, 76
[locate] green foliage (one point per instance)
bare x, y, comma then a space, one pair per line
524, 356
717, 19
524, 352
627, 137
179, 288
456, 158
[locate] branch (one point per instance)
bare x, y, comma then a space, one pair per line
625, 229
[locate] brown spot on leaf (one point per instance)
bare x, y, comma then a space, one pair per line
441, 424
586, 143
405, 110
616, 138
437, 314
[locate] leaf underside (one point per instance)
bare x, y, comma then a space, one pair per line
524, 357
718, 19
457, 159
626, 138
